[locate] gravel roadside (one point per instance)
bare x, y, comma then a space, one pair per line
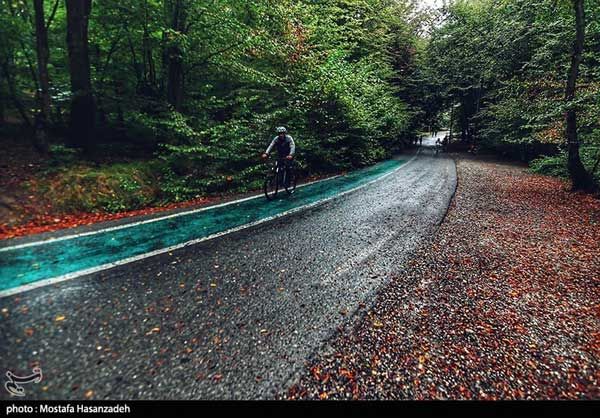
502, 303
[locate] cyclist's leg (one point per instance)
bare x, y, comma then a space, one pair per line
280, 172
286, 171
291, 173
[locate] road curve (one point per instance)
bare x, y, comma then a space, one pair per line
230, 318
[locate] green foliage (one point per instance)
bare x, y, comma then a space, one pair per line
342, 75
358, 116
166, 128
62, 156
505, 64
556, 165
323, 71
113, 188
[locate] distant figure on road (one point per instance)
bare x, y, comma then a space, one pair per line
445, 143
438, 146
473, 149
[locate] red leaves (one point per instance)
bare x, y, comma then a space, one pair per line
346, 373
50, 221
315, 371
318, 375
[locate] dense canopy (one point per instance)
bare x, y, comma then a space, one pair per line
143, 102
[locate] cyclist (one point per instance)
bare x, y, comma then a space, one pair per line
438, 145
445, 143
284, 144
286, 148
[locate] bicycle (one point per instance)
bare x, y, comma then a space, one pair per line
281, 175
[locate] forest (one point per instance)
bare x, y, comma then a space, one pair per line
123, 105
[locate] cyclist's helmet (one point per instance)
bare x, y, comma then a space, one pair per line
281, 130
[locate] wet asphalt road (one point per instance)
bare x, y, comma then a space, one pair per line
231, 318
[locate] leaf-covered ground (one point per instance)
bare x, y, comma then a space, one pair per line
24, 210
43, 218
503, 303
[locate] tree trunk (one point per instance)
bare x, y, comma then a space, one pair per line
149, 67
137, 69
2, 104
175, 80
580, 178
12, 91
174, 56
83, 106
451, 121
43, 54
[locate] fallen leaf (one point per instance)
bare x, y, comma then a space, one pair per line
153, 331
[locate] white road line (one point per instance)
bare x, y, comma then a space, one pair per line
58, 279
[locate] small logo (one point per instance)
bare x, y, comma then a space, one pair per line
13, 386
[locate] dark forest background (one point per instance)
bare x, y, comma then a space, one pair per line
133, 103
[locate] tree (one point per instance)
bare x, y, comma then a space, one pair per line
43, 55
83, 106
200, 84
12, 26
176, 11
581, 179
513, 69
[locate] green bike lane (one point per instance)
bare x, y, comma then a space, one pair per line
26, 266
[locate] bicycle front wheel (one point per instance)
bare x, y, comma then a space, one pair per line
271, 186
